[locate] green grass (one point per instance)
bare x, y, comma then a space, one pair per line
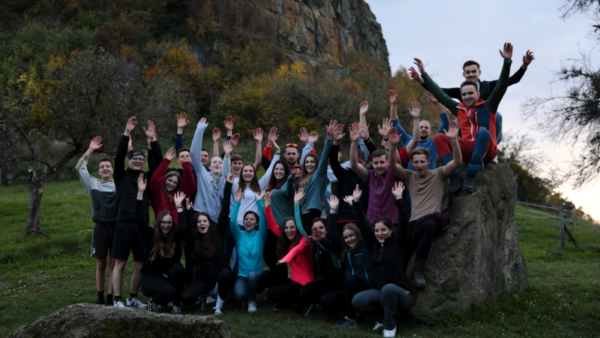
40, 275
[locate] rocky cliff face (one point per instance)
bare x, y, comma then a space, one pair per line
325, 30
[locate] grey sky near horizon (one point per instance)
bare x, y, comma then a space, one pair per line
432, 31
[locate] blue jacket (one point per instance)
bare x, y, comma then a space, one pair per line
249, 245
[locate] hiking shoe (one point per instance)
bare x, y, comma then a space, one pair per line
210, 300
119, 304
456, 183
347, 323
135, 303
469, 183
176, 310
251, 306
217, 311
418, 275
377, 326
327, 318
389, 333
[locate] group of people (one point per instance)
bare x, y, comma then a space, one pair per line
345, 230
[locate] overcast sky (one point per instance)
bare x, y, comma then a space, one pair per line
444, 34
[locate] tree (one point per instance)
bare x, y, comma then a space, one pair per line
575, 115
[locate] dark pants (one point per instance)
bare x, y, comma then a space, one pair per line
165, 289
312, 292
307, 219
341, 300
189, 265
430, 229
282, 290
270, 254
202, 285
383, 305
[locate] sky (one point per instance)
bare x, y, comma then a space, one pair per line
445, 34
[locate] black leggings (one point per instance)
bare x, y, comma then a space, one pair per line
430, 229
282, 290
270, 254
163, 290
307, 219
312, 292
202, 285
341, 300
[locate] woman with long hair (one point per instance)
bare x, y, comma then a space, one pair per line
163, 276
208, 256
292, 249
164, 185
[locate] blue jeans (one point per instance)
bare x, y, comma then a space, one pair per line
245, 287
498, 128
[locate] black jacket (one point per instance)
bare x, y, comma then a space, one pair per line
388, 258
322, 259
161, 266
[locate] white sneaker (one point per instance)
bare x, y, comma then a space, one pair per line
152, 306
495, 160
389, 333
176, 310
210, 300
135, 303
119, 304
217, 311
251, 306
377, 326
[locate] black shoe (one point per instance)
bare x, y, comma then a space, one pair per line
305, 309
100, 301
469, 183
109, 301
418, 275
457, 182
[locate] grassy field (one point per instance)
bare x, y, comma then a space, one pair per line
40, 275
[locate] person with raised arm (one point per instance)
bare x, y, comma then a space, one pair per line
182, 151
380, 179
249, 243
426, 189
209, 192
126, 237
477, 120
163, 276
104, 198
165, 184
208, 256
292, 249
391, 290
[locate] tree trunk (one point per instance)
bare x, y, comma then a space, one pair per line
36, 190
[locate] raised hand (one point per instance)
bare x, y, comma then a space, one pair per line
235, 139
385, 127
182, 120
393, 136
96, 143
348, 199
238, 194
230, 178
216, 134
338, 133
299, 196
315, 235
303, 136
356, 194
130, 126
507, 52
179, 197
258, 135
364, 130
412, 72
228, 123
151, 131
354, 132
277, 150
364, 107
415, 110
188, 204
203, 121
331, 128
313, 137
260, 195
432, 98
141, 182
334, 202
420, 65
228, 147
170, 154
452, 132
392, 96
273, 136
528, 57
268, 199
398, 189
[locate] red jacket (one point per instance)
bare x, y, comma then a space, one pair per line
159, 200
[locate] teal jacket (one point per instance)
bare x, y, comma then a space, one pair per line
315, 188
249, 245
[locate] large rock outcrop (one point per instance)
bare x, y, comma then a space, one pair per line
325, 29
90, 320
477, 256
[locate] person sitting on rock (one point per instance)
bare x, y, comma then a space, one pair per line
477, 119
426, 189
163, 276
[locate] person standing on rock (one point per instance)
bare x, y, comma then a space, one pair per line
426, 189
477, 120
127, 238
104, 197
163, 276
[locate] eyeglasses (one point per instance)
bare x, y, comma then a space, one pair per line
166, 222
139, 159
291, 145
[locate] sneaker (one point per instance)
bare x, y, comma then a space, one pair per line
135, 303
327, 318
305, 309
251, 306
217, 311
346, 323
469, 183
176, 310
456, 183
100, 302
278, 307
389, 333
119, 304
201, 305
377, 326
170, 304
418, 275
109, 300
210, 300
495, 160
152, 306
